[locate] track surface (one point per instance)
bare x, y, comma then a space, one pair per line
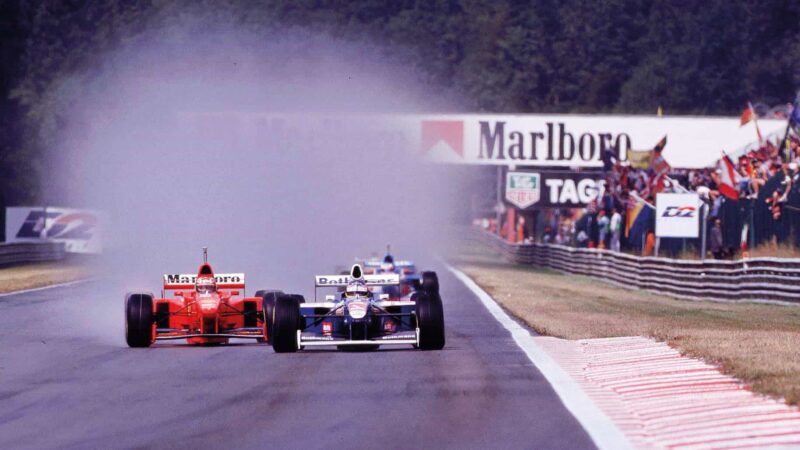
67, 380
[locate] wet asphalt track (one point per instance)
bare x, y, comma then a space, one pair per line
67, 380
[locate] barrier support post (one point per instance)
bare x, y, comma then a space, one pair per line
499, 199
703, 227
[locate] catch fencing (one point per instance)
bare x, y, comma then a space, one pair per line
25, 252
753, 279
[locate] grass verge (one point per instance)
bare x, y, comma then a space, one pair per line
757, 343
35, 275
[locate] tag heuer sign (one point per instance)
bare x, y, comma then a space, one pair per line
523, 189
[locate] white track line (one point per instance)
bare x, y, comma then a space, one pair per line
44, 288
600, 428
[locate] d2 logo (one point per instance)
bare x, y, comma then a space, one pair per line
79, 225
679, 211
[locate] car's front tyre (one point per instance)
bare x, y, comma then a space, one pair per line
430, 320
285, 320
139, 320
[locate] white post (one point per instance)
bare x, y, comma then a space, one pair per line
499, 198
703, 225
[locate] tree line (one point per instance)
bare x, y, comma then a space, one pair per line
705, 57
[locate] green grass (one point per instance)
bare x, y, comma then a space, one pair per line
757, 343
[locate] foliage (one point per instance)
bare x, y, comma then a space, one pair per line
629, 56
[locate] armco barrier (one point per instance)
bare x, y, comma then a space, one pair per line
754, 279
24, 252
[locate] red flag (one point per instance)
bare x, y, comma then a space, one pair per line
747, 116
728, 179
657, 161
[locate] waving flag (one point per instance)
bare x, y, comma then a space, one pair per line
794, 118
729, 178
747, 115
640, 215
639, 159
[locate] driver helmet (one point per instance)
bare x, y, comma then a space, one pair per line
356, 289
205, 285
387, 267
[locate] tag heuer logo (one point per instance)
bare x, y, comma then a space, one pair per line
522, 189
443, 140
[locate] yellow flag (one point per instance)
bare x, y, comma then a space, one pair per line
639, 159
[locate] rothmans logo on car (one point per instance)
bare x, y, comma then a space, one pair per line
324, 281
357, 310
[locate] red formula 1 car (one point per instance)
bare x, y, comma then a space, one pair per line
206, 309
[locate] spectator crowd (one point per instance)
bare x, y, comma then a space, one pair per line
758, 203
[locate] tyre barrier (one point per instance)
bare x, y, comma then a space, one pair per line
753, 279
25, 252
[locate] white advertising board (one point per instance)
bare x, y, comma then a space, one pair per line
536, 140
568, 140
677, 215
79, 229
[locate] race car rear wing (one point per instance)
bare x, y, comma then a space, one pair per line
187, 281
384, 279
377, 263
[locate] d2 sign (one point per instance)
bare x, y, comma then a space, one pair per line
523, 189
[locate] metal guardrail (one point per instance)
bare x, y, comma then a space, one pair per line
753, 279
25, 252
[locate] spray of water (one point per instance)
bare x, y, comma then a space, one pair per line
273, 153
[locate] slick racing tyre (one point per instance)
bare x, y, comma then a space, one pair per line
139, 320
267, 304
285, 320
430, 283
430, 320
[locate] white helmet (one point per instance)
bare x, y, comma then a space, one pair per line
356, 289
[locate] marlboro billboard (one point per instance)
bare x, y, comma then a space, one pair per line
532, 140
579, 141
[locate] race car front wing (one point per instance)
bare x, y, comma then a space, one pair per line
315, 340
166, 334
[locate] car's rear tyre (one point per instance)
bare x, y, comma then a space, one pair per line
430, 283
285, 320
430, 320
139, 320
262, 292
268, 297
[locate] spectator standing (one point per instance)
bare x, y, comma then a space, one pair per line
615, 227
716, 240
603, 227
